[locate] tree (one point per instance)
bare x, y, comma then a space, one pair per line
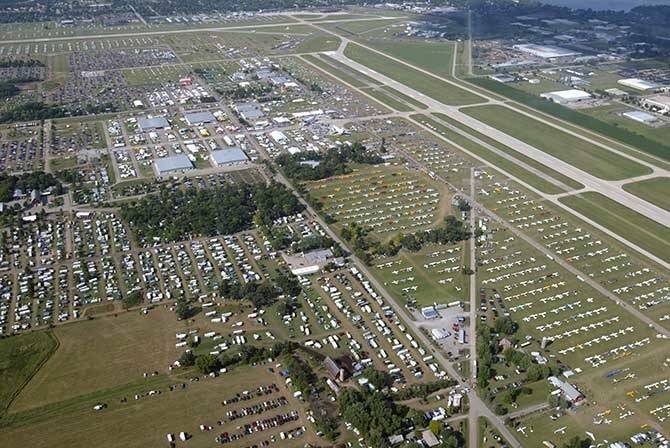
132, 299
577, 442
499, 409
183, 309
505, 325
435, 427
187, 359
207, 364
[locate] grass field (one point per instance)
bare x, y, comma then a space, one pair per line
612, 114
573, 150
145, 422
436, 57
20, 358
652, 190
319, 42
517, 155
426, 84
577, 119
387, 99
638, 229
101, 354
494, 159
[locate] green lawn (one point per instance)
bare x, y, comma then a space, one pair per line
318, 43
336, 72
426, 84
652, 190
20, 358
638, 229
494, 159
573, 150
436, 57
517, 155
388, 100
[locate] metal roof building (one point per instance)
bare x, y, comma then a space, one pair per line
149, 124
196, 118
640, 116
228, 156
169, 165
638, 84
566, 96
249, 111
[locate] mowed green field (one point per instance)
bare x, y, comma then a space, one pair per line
494, 159
428, 276
436, 57
568, 181
573, 150
100, 354
426, 84
20, 357
638, 229
652, 190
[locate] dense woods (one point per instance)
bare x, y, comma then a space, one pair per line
36, 180
334, 162
174, 215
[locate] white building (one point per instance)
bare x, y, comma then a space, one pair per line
638, 84
640, 117
546, 51
566, 96
661, 103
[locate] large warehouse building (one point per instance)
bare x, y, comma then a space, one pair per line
566, 96
545, 51
167, 166
230, 156
151, 124
638, 84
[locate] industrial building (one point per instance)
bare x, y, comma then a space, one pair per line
545, 51
660, 103
309, 262
566, 96
640, 116
172, 165
198, 118
153, 123
249, 111
638, 84
229, 156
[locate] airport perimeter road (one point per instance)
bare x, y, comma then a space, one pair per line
610, 189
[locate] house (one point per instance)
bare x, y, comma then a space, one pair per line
505, 344
334, 369
429, 439
569, 391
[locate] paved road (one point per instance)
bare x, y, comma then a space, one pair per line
473, 426
529, 410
